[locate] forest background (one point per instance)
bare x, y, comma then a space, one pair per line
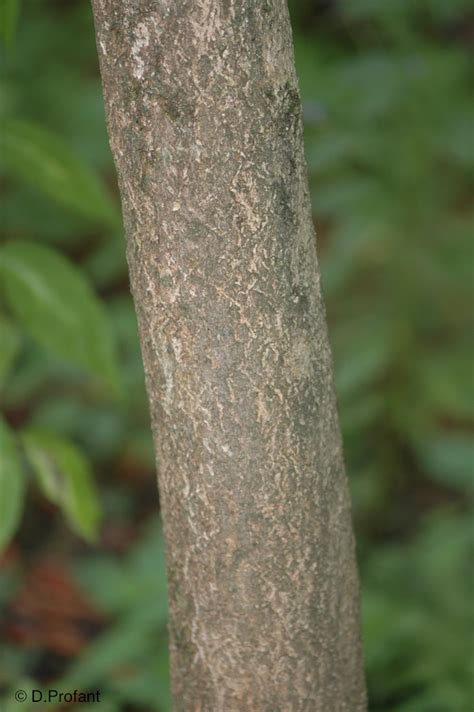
388, 122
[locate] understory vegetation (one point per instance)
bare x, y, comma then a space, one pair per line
388, 122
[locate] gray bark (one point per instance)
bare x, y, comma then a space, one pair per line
204, 119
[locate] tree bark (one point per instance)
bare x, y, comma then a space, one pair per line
204, 120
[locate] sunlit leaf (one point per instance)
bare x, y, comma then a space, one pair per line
54, 302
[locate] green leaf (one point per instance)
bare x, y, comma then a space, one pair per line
9, 345
51, 481
12, 485
65, 477
39, 157
53, 301
9, 13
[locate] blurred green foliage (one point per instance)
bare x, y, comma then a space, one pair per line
388, 121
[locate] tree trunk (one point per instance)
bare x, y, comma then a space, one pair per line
204, 119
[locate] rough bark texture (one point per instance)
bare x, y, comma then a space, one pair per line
205, 125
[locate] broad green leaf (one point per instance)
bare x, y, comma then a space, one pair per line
54, 302
39, 157
9, 12
12, 485
65, 477
9, 345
